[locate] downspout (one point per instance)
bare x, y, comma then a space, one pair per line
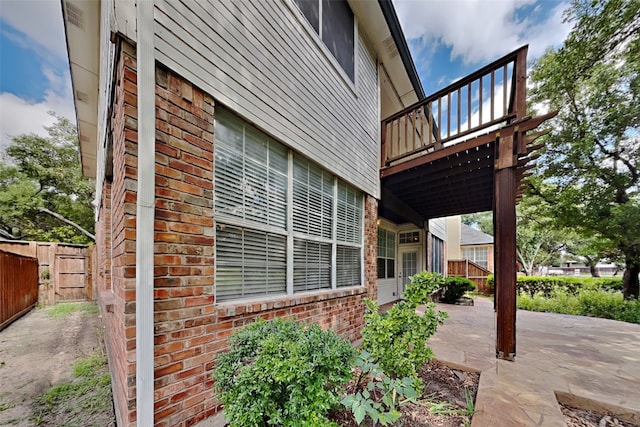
145, 212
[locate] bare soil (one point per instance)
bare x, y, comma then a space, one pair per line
36, 353
576, 417
442, 385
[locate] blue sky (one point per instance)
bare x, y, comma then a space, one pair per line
448, 39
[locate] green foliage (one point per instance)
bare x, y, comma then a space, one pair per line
44, 174
583, 302
389, 393
81, 402
281, 373
397, 339
482, 220
456, 287
423, 284
546, 284
589, 172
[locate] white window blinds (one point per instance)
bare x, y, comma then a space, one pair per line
250, 174
249, 263
253, 175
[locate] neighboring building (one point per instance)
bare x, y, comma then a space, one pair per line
240, 174
476, 246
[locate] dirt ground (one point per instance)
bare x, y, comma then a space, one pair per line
37, 352
441, 385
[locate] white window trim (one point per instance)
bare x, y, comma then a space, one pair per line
317, 38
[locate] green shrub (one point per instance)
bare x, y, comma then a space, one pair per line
547, 284
456, 288
397, 339
587, 301
423, 284
281, 373
389, 393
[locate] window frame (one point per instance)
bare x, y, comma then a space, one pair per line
316, 36
225, 220
386, 258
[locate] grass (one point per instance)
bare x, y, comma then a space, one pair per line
64, 309
85, 401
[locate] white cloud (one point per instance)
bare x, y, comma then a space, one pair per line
480, 30
39, 20
19, 116
36, 25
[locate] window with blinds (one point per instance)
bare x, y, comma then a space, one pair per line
250, 172
253, 175
312, 199
249, 263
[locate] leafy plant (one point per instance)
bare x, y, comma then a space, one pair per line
455, 288
382, 395
423, 285
397, 339
281, 373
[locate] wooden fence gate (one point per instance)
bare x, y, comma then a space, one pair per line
18, 286
472, 271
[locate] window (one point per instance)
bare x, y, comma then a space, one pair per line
437, 255
333, 21
386, 254
253, 175
478, 255
410, 237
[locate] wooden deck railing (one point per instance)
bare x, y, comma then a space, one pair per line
490, 97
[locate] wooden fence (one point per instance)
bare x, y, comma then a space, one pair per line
63, 269
472, 271
18, 286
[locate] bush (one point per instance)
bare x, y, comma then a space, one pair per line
455, 288
423, 285
583, 302
547, 284
281, 373
397, 339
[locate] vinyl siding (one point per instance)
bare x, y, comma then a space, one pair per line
259, 59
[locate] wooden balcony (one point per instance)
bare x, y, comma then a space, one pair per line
438, 155
465, 149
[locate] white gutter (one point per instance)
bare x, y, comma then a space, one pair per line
145, 213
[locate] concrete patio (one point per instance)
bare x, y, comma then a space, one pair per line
587, 362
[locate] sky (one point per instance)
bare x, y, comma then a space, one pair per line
447, 38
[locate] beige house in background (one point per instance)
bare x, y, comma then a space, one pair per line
467, 243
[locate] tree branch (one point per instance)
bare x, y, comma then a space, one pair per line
68, 222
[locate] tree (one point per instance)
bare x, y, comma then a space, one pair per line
480, 220
43, 194
590, 164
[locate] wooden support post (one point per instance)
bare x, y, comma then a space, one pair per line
505, 186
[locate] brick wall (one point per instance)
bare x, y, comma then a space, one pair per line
189, 328
102, 254
120, 319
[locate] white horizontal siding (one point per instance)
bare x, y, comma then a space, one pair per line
438, 227
258, 59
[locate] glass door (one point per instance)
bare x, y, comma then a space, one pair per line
410, 264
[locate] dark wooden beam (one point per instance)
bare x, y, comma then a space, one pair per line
505, 183
400, 208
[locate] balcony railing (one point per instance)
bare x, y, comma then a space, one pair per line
488, 98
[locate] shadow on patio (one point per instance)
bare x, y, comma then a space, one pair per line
587, 362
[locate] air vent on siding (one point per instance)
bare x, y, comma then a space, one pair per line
74, 15
390, 46
82, 96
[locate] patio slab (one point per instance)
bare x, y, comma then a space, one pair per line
587, 362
